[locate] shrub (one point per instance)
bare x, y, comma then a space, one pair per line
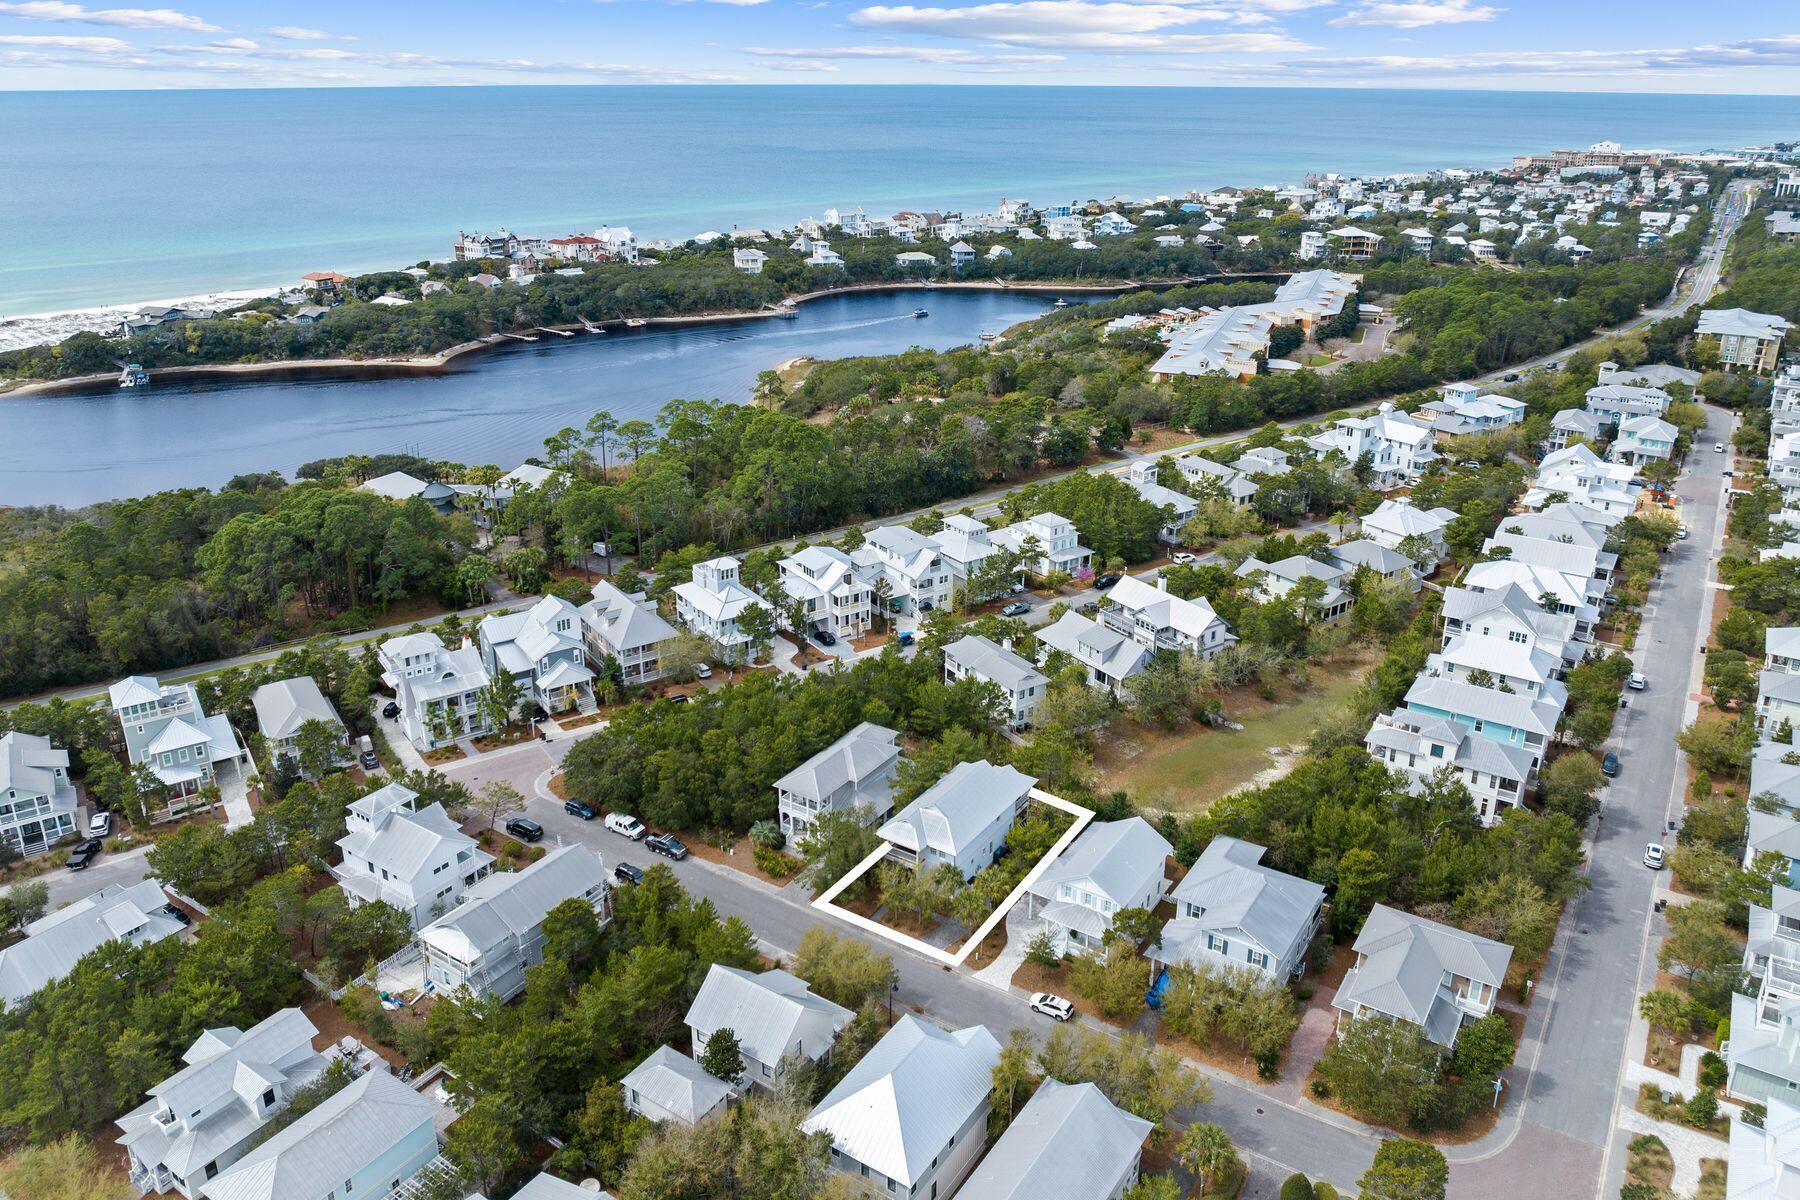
1041, 951
1298, 1187
1321, 1088
1713, 1072
774, 862
767, 835
1701, 1108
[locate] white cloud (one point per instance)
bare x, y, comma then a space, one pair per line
1417, 14
1105, 25
85, 45
807, 65
1780, 51
928, 54
130, 18
294, 33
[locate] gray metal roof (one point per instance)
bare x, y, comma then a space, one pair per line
861, 754
1234, 890
328, 1145
1119, 859
1404, 965
677, 1084
510, 904
56, 942
897, 1109
1783, 640
773, 1014
956, 808
1514, 709
994, 663
284, 706
1069, 1142
28, 765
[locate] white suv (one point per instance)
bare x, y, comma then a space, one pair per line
1054, 1007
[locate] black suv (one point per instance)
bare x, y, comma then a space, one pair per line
88, 849
390, 710
577, 808
525, 829
667, 845
626, 873
1107, 580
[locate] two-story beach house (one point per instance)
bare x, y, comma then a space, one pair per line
1423, 973
1108, 657
853, 774
1111, 865
911, 1117
1021, 684
134, 913
1069, 1141
37, 800
626, 628
961, 819
1156, 619
284, 707
1048, 543
1234, 912
907, 567
199, 1121
777, 1021
496, 934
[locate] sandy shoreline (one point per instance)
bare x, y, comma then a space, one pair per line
446, 359
38, 329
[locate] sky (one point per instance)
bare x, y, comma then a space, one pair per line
1729, 46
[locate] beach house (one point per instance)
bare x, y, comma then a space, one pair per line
439, 690
1020, 683
777, 1021
415, 859
37, 799
713, 603
856, 772
135, 913
1233, 911
1110, 866
962, 819
625, 628
822, 584
286, 706
1070, 1142
1426, 974
542, 649
167, 730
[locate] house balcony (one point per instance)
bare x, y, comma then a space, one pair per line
151, 1180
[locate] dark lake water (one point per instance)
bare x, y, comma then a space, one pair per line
73, 450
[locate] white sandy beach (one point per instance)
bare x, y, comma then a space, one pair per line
41, 328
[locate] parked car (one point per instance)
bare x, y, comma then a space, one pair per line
177, 914
85, 852
1636, 681
667, 845
1718, 447
390, 710
825, 637
100, 824
580, 808
1054, 1007
925, 606
525, 829
626, 825
1510, 377
905, 637
626, 873
680, 698
369, 761
702, 671
1182, 558
1017, 608
1609, 766
1653, 856
1682, 532
1106, 580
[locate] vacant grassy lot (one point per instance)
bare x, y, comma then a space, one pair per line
1185, 770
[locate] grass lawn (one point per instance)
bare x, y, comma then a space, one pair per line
1184, 771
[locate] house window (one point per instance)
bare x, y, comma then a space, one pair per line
1217, 944
212, 1168
268, 1097
1256, 958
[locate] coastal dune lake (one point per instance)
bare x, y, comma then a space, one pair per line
495, 408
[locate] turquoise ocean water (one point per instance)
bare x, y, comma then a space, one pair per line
115, 197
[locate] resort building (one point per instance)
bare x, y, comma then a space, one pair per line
1747, 341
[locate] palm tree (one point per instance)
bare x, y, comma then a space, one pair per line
1205, 1149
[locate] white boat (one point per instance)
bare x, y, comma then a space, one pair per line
635, 322
919, 312
1060, 303
989, 337
133, 376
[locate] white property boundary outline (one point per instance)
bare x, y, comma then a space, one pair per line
1083, 817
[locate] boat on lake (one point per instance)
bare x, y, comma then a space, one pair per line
133, 376
919, 312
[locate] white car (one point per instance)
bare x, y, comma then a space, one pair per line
1182, 557
626, 825
1636, 681
100, 824
1718, 447
1653, 856
702, 671
1054, 1007
1682, 533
